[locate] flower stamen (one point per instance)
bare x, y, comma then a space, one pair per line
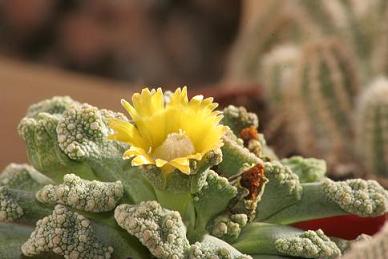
176, 145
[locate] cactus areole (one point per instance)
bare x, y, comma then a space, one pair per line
176, 179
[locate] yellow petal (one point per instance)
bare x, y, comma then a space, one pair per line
141, 160
147, 103
179, 97
154, 121
139, 155
135, 151
182, 164
197, 156
126, 132
148, 114
160, 162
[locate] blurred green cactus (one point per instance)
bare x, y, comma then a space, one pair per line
277, 70
280, 22
372, 128
321, 99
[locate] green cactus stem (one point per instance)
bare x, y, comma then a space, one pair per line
92, 196
53, 234
350, 20
23, 177
322, 98
262, 238
280, 22
329, 198
235, 156
308, 169
282, 190
277, 71
372, 129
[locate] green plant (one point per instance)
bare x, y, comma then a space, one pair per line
380, 51
279, 23
356, 23
277, 70
230, 202
371, 129
312, 57
322, 96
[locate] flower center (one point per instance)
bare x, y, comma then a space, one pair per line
174, 146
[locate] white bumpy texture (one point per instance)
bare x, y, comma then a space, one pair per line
160, 230
66, 233
310, 244
357, 196
9, 209
92, 196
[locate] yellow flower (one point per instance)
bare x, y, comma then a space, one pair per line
168, 135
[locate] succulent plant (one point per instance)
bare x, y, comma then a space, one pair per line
322, 96
380, 51
356, 23
311, 58
372, 128
279, 23
277, 70
174, 181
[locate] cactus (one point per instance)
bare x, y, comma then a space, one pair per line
281, 22
358, 23
277, 71
379, 56
321, 97
372, 129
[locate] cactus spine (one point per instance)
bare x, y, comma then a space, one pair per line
372, 128
321, 96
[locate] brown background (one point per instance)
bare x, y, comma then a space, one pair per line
25, 84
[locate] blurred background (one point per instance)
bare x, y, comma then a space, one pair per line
314, 71
101, 51
152, 41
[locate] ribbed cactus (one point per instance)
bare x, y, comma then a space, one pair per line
379, 57
277, 71
282, 22
320, 101
330, 15
372, 128
357, 22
